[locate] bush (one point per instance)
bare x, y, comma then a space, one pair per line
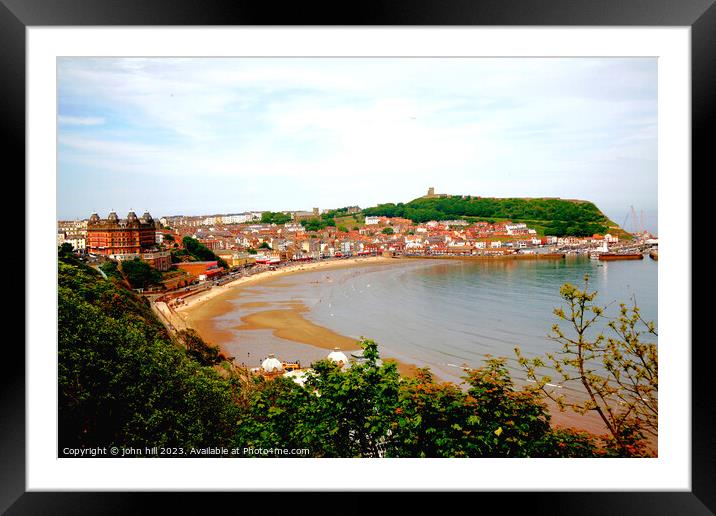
140, 274
201, 351
200, 252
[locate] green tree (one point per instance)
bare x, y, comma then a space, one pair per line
508, 422
369, 410
200, 252
111, 270
490, 419
314, 224
387, 231
429, 419
273, 416
278, 218
140, 274
201, 351
65, 249
265, 245
338, 413
354, 407
618, 375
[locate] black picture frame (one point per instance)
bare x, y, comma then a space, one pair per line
700, 15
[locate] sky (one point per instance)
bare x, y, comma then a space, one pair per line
208, 136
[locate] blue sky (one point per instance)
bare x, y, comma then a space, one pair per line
204, 136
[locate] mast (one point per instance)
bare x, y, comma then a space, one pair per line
642, 229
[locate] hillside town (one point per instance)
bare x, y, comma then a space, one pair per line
190, 255
245, 240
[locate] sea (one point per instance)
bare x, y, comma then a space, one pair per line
443, 314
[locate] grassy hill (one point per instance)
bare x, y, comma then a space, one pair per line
550, 216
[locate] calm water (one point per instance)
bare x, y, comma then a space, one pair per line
446, 314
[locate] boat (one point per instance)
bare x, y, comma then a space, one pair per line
603, 249
620, 256
654, 254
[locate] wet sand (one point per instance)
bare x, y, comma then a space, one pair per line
289, 324
283, 319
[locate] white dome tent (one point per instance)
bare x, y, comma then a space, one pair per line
298, 376
271, 364
338, 357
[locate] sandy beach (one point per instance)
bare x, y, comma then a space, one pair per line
284, 319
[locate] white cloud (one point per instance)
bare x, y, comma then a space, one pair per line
79, 120
335, 131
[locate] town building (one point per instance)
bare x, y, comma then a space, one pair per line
303, 215
124, 239
236, 258
115, 236
73, 232
75, 238
160, 260
432, 195
201, 270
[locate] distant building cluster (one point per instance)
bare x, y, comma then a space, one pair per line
243, 240
73, 232
211, 220
274, 243
243, 243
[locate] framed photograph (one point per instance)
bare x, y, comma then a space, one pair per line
415, 251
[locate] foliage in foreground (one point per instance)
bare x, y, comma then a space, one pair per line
370, 411
617, 373
140, 274
124, 381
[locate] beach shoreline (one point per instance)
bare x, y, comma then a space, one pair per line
195, 300
285, 321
